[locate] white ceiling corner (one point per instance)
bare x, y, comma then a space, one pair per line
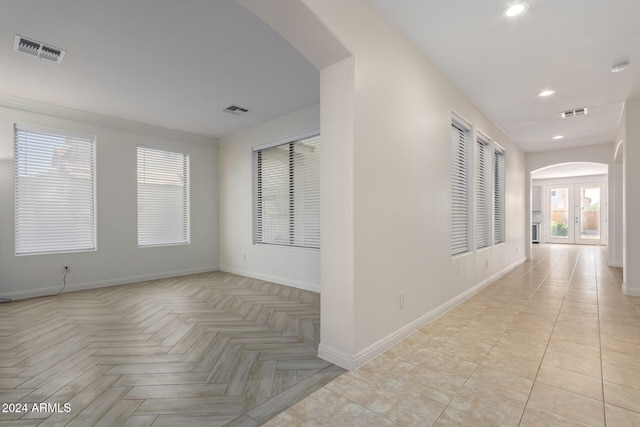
501, 64
159, 62
178, 64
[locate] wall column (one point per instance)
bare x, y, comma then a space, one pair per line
631, 199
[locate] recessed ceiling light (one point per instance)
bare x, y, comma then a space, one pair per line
547, 92
558, 137
620, 67
516, 9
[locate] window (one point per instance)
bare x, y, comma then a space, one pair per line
54, 191
287, 193
498, 196
163, 196
460, 186
483, 192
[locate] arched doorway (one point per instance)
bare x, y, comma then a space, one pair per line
570, 203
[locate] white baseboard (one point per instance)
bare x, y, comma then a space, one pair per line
275, 279
632, 292
364, 356
71, 287
337, 358
32, 293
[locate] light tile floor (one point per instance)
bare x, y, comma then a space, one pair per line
552, 343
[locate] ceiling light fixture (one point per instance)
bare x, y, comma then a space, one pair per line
516, 9
620, 67
547, 92
558, 137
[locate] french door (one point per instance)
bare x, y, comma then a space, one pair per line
576, 214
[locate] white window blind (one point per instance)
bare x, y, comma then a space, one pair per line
499, 184
287, 201
483, 193
460, 186
54, 191
163, 196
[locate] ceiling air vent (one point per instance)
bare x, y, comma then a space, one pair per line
574, 113
234, 109
37, 49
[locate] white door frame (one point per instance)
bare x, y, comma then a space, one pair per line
566, 205
579, 217
574, 214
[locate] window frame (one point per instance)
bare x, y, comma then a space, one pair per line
483, 177
60, 216
500, 195
461, 186
296, 239
184, 226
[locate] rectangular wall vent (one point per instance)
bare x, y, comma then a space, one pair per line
234, 109
574, 113
37, 49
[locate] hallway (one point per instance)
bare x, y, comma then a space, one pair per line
553, 342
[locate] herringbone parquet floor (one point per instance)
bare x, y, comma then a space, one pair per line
201, 350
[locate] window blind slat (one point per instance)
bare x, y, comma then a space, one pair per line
54, 191
483, 194
287, 199
163, 196
460, 187
499, 197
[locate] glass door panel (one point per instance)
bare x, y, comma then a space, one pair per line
559, 204
589, 223
574, 214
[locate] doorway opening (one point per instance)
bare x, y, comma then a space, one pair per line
569, 204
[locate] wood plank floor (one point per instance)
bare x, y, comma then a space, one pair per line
202, 350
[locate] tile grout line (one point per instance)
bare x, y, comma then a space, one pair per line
566, 285
604, 406
552, 329
493, 345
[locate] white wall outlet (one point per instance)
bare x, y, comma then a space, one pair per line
401, 299
244, 257
488, 263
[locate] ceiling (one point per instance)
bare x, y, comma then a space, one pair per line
178, 64
175, 64
502, 63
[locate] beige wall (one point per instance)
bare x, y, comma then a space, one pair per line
117, 259
291, 266
385, 125
631, 198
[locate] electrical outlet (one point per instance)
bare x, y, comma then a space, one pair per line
401, 299
244, 257
487, 263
